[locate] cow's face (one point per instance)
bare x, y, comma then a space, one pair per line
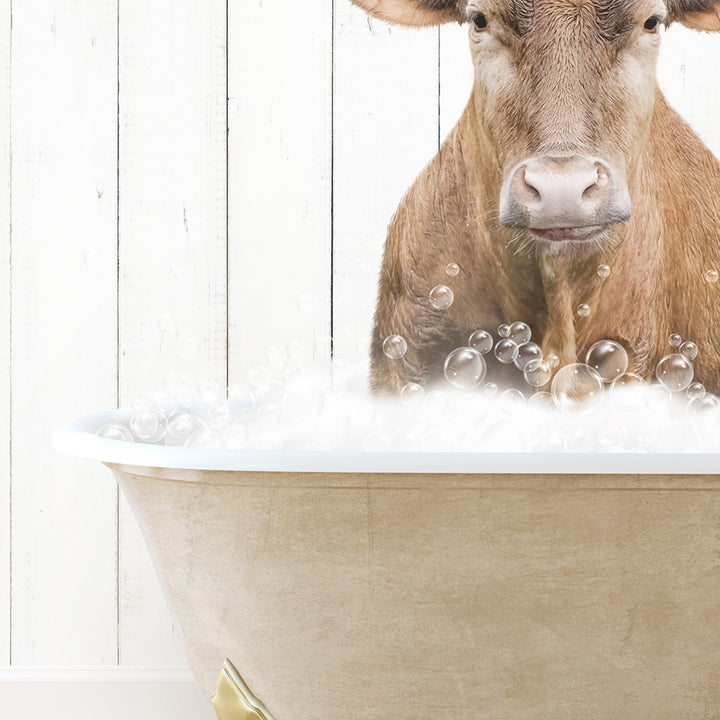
564, 94
564, 90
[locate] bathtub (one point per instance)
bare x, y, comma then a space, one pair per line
341, 586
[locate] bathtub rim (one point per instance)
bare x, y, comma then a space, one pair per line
77, 437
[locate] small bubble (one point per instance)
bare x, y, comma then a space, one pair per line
452, 269
180, 425
675, 340
674, 372
465, 368
695, 390
520, 333
506, 351
219, 417
553, 360
541, 401
441, 297
412, 395
603, 271
504, 330
529, 355
576, 388
145, 425
394, 346
689, 349
115, 431
482, 341
608, 358
538, 374
583, 310
711, 276
490, 388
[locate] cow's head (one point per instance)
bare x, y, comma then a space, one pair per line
564, 95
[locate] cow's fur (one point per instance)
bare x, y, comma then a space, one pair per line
658, 258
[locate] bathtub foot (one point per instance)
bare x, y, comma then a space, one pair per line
233, 700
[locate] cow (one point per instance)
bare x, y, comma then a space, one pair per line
566, 158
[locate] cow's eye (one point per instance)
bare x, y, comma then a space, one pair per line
652, 24
479, 20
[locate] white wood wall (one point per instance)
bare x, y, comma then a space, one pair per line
179, 182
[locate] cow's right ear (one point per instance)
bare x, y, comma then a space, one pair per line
413, 13
696, 14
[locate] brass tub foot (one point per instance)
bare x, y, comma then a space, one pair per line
233, 700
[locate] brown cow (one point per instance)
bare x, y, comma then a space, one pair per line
566, 157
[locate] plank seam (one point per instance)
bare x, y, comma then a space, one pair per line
117, 326
10, 343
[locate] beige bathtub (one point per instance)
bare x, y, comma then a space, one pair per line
342, 591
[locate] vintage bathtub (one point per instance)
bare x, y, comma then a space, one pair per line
363, 586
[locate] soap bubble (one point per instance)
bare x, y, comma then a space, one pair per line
541, 401
512, 401
412, 395
482, 341
576, 388
675, 340
583, 310
603, 271
203, 439
520, 333
465, 368
490, 388
553, 360
180, 425
441, 297
626, 390
695, 390
146, 425
115, 431
529, 355
452, 269
675, 372
608, 358
711, 276
506, 351
504, 330
537, 375
436, 401
394, 346
689, 349
219, 417
657, 397
702, 404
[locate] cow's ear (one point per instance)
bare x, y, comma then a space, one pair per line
415, 13
696, 14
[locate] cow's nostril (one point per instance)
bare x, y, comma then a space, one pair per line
530, 189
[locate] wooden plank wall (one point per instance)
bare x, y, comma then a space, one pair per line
191, 183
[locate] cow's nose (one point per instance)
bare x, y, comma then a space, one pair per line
563, 192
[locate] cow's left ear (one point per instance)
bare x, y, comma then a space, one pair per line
413, 13
696, 14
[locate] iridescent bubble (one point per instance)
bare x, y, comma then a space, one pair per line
180, 425
482, 341
441, 297
576, 388
603, 271
520, 333
504, 330
689, 349
145, 425
394, 346
537, 375
452, 269
465, 368
412, 395
583, 310
506, 351
711, 276
608, 358
695, 390
529, 354
675, 340
115, 431
674, 372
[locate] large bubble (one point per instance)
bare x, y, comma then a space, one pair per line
482, 341
465, 368
441, 297
576, 388
506, 351
529, 355
608, 358
520, 333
